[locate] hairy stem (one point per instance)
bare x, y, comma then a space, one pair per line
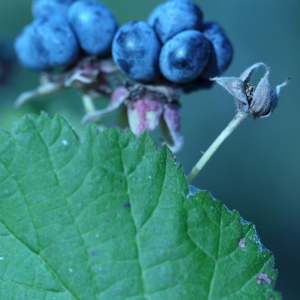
239, 117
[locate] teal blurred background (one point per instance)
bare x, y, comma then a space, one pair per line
257, 170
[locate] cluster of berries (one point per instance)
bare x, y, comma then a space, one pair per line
175, 43
175, 51
69, 43
63, 31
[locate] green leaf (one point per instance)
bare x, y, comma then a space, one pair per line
111, 217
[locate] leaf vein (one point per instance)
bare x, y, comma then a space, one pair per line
68, 205
216, 260
136, 229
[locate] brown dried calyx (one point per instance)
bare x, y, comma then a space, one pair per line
254, 102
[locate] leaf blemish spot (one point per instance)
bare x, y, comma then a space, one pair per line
263, 277
71, 270
64, 142
117, 289
126, 205
242, 244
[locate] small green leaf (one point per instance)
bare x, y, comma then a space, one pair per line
111, 217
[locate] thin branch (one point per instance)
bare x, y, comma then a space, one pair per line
239, 117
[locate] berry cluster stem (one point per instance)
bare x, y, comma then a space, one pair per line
239, 117
88, 103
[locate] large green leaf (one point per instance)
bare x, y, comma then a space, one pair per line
111, 217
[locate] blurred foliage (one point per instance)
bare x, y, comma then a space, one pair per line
256, 171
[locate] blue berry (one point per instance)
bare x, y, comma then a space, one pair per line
184, 56
222, 50
173, 17
47, 43
46, 8
94, 25
136, 51
23, 50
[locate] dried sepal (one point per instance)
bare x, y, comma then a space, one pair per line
43, 90
234, 86
262, 97
117, 98
246, 76
254, 102
89, 75
144, 107
170, 126
144, 114
275, 95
